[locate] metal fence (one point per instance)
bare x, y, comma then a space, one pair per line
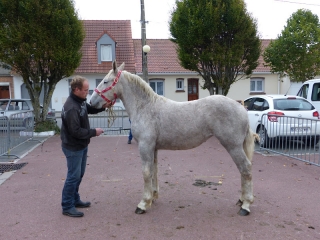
15, 130
294, 137
113, 122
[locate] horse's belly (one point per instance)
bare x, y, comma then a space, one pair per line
182, 143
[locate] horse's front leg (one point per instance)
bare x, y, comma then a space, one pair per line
147, 158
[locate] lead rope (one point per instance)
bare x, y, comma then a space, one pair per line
111, 116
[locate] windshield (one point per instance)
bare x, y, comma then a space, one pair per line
291, 104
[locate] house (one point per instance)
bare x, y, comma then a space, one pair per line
109, 40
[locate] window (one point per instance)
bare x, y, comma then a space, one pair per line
248, 103
98, 81
106, 48
180, 84
106, 53
256, 85
315, 96
292, 105
303, 92
157, 86
258, 104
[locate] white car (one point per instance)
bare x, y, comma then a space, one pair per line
281, 118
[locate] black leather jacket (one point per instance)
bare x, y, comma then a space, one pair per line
75, 129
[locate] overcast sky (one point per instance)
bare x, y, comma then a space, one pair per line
271, 15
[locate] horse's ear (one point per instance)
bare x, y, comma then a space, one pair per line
114, 65
121, 67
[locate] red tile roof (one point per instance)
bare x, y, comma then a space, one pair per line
162, 57
261, 67
118, 30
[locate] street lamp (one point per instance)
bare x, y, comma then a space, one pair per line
145, 49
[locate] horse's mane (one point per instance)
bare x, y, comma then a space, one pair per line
143, 85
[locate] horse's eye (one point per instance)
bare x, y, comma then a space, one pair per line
105, 82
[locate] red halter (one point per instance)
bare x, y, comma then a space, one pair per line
115, 81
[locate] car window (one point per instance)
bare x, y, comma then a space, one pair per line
3, 105
258, 104
303, 92
248, 103
315, 95
292, 104
265, 105
24, 106
11, 107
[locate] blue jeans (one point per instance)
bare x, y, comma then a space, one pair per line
130, 134
76, 163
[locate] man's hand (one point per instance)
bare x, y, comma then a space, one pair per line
107, 105
99, 131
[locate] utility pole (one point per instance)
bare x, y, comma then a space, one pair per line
144, 49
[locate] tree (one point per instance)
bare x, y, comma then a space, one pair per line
217, 39
296, 51
40, 40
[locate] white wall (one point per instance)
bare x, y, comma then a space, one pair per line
238, 91
170, 87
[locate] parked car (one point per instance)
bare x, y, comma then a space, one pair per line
283, 118
51, 113
310, 90
19, 107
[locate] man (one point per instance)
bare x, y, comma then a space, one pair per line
75, 137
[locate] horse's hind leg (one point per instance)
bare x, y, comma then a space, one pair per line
244, 167
155, 186
147, 158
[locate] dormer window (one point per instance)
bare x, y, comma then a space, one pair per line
106, 52
106, 48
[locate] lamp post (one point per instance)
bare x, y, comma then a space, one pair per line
145, 49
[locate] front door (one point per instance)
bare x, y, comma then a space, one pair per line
193, 89
4, 92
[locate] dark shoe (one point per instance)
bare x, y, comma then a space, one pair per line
72, 212
129, 141
81, 204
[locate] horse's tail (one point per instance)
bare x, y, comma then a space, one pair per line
248, 144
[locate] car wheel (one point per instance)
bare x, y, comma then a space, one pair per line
264, 139
311, 142
27, 123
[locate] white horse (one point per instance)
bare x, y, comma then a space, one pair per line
160, 123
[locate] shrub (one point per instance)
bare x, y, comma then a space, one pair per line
48, 125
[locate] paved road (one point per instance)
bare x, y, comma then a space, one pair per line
285, 192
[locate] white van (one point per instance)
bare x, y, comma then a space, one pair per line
310, 90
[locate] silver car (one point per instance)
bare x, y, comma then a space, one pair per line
19, 112
12, 106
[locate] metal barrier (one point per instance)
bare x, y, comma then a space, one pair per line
294, 137
15, 130
112, 122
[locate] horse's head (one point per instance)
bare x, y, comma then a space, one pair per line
106, 91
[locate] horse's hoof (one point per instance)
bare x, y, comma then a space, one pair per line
140, 211
243, 212
239, 203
